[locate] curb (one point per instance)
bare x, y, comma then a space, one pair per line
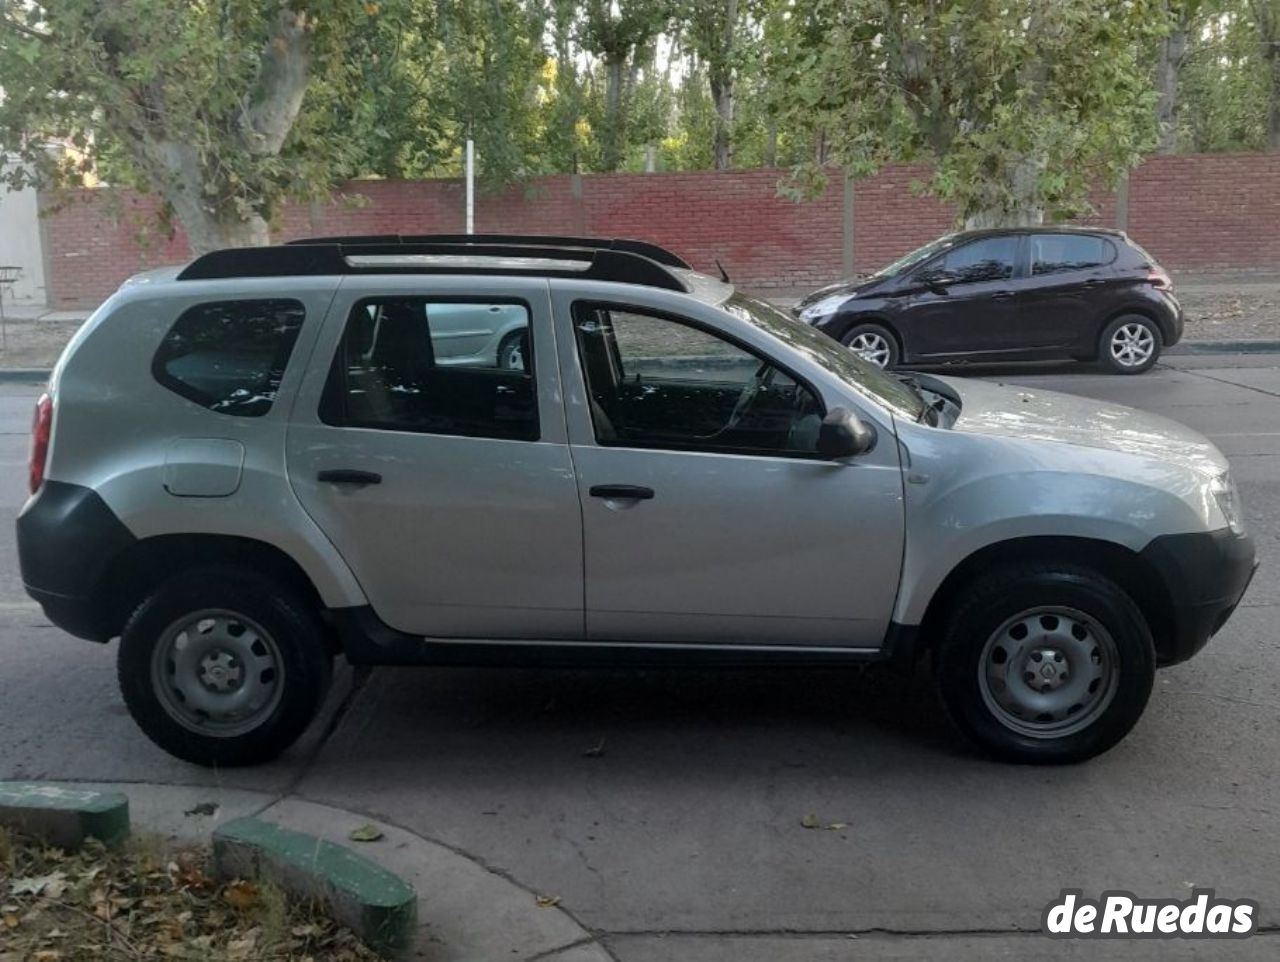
375, 904
64, 815
24, 375
1225, 347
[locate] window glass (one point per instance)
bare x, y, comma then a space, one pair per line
435, 367
230, 356
990, 259
662, 383
1056, 253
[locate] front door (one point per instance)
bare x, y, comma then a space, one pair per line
447, 489
972, 313
708, 518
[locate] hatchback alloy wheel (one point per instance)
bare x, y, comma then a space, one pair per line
1132, 345
872, 346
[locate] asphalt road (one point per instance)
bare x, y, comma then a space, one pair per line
665, 808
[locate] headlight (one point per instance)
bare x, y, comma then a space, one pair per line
1224, 491
822, 308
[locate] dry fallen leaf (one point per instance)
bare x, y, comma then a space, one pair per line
241, 895
365, 833
51, 885
10, 920
548, 901
809, 821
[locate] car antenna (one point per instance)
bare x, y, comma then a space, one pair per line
724, 274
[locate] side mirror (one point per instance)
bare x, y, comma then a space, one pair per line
844, 435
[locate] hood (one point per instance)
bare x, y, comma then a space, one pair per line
847, 288
997, 409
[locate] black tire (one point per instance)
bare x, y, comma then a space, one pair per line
991, 603
289, 622
885, 336
1116, 364
516, 339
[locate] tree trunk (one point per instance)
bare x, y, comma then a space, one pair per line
1168, 68
180, 178
722, 94
1018, 206
1266, 17
614, 125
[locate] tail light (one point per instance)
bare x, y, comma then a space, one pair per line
41, 428
1158, 278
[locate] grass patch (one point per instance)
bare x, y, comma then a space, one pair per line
148, 901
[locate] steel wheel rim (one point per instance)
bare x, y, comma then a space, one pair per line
1132, 344
217, 673
872, 347
1048, 672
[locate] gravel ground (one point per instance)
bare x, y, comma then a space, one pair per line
1218, 308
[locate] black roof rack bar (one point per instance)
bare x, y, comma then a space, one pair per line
644, 248
303, 260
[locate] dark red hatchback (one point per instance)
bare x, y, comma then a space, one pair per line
1007, 295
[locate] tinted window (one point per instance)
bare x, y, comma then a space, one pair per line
984, 260
433, 367
662, 383
230, 356
1055, 253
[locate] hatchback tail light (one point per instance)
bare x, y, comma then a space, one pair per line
1160, 279
41, 428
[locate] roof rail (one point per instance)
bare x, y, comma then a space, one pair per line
317, 259
644, 248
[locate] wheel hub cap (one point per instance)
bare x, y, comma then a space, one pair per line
1048, 672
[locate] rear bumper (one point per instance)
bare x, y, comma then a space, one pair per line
1206, 574
67, 539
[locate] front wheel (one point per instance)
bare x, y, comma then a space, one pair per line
219, 667
873, 343
1130, 344
1046, 664
513, 351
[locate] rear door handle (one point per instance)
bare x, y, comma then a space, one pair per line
349, 476
1095, 282
621, 492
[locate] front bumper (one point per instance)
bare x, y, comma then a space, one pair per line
1206, 574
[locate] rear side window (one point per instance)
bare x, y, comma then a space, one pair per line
1058, 253
459, 367
230, 356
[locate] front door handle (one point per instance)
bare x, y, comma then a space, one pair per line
621, 492
349, 476
1002, 295
1094, 282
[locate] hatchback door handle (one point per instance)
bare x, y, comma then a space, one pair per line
1095, 282
349, 476
1002, 295
622, 492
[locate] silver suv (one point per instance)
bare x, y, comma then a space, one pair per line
270, 457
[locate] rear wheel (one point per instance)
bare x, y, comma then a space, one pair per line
874, 343
1130, 344
221, 668
1046, 664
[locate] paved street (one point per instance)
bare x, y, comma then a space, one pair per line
665, 808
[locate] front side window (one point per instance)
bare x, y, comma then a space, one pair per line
1060, 253
230, 356
659, 382
435, 367
990, 259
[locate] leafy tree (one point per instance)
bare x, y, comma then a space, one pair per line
1265, 15
1020, 105
713, 33
203, 103
1222, 89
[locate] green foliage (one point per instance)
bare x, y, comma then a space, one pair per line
1019, 105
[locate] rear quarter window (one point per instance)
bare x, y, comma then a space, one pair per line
230, 356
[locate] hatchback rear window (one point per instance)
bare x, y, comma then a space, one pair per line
1057, 253
229, 356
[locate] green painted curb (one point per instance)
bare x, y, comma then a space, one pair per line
64, 815
378, 906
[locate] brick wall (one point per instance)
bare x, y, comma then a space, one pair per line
1206, 212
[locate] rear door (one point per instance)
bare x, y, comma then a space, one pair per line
1061, 303
973, 312
447, 489
708, 518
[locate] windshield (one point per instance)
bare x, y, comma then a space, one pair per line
907, 261
866, 378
